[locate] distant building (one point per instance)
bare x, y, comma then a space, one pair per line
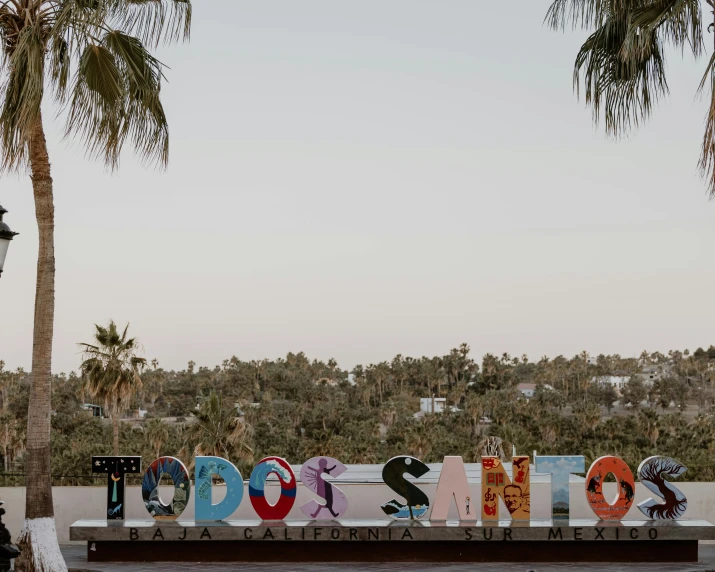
440, 404
527, 389
326, 381
96, 410
652, 373
618, 382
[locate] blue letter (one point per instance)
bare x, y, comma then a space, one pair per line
206, 468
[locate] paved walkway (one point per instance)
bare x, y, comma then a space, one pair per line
77, 560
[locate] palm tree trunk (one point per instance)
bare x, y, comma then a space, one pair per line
38, 539
115, 428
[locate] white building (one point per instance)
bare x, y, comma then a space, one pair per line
616, 381
440, 404
527, 389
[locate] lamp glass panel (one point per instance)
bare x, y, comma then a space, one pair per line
4, 244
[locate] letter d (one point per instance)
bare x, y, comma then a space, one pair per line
206, 468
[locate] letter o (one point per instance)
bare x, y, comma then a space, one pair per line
625, 484
150, 488
257, 483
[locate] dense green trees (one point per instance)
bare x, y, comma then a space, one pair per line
217, 431
296, 408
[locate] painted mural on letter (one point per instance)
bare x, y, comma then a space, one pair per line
393, 473
257, 484
561, 468
651, 474
313, 475
516, 492
626, 487
116, 468
207, 469
175, 469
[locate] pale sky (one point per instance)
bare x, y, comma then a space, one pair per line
361, 179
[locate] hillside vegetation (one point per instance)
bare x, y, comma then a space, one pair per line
297, 408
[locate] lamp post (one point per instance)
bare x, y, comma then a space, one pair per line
6, 235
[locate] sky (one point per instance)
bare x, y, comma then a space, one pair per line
357, 180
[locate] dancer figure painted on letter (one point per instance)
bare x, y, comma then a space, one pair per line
323, 488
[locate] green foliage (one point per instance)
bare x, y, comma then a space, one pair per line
297, 408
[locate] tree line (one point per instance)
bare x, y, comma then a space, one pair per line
296, 408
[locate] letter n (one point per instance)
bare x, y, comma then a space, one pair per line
515, 492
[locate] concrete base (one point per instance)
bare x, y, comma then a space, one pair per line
438, 551
392, 541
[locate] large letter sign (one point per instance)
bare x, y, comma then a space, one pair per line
313, 475
116, 468
516, 492
257, 484
150, 488
393, 473
650, 473
560, 468
480, 501
206, 469
594, 488
453, 484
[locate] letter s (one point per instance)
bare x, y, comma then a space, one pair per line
650, 473
393, 474
312, 475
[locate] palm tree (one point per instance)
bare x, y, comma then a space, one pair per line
217, 431
622, 62
156, 433
110, 372
93, 57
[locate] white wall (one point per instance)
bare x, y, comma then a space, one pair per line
75, 503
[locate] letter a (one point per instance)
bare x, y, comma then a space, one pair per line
453, 484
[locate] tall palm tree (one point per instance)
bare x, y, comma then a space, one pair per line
621, 65
217, 431
110, 372
93, 57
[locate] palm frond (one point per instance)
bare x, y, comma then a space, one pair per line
706, 163
116, 97
676, 21
577, 13
623, 87
154, 21
99, 70
23, 91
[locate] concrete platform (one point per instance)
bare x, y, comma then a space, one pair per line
76, 559
393, 541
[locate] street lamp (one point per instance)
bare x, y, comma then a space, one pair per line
6, 236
